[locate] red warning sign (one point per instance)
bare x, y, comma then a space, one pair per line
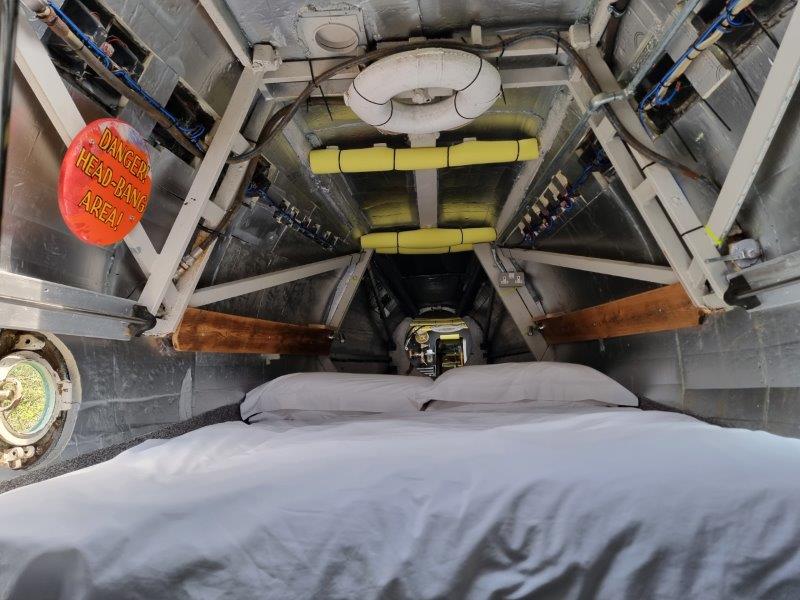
105, 182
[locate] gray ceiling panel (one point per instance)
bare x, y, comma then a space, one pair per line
275, 21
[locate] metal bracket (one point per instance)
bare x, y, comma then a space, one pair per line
26, 341
579, 36
148, 321
769, 284
268, 358
743, 254
617, 14
741, 294
15, 457
265, 58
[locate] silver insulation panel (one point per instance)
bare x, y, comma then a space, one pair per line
275, 21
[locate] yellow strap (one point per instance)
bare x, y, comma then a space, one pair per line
713, 236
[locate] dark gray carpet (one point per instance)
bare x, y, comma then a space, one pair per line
646, 404
219, 415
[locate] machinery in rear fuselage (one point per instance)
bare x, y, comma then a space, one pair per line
434, 346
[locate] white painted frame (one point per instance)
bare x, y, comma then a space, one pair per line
654, 190
240, 287
656, 194
346, 290
523, 308
615, 268
772, 103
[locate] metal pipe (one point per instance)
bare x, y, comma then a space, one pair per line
8, 29
49, 17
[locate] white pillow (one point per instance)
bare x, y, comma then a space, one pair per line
338, 391
513, 382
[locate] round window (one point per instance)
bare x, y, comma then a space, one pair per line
29, 411
37, 376
27, 399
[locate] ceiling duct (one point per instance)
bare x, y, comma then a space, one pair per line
327, 33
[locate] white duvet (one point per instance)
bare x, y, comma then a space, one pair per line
543, 501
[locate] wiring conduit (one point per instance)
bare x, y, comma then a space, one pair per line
118, 78
664, 91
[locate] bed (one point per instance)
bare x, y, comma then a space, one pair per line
567, 498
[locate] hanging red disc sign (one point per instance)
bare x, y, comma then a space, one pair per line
105, 182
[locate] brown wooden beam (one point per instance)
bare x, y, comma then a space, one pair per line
207, 331
662, 309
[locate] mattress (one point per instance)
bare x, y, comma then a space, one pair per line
541, 500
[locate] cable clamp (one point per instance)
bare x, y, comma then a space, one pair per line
617, 14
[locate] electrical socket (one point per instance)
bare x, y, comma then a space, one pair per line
512, 279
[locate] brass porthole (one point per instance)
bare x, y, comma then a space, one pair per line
28, 397
37, 384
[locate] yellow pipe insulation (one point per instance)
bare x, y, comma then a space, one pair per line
381, 158
438, 250
434, 240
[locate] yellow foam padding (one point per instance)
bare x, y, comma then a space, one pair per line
414, 159
528, 149
478, 153
379, 158
439, 250
479, 235
367, 160
361, 160
324, 161
434, 237
383, 239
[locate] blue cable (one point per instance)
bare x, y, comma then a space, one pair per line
726, 14
716, 24
193, 134
599, 162
294, 223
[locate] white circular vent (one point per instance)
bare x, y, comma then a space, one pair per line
336, 37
